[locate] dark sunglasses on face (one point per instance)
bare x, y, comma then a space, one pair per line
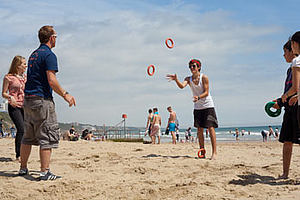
192, 66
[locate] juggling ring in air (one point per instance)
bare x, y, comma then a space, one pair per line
201, 153
172, 43
271, 113
153, 70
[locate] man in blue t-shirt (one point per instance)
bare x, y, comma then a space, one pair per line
40, 121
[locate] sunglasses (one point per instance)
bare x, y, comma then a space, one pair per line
192, 66
55, 36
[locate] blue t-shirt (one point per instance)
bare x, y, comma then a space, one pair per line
40, 61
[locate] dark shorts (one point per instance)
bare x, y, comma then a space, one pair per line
205, 118
40, 121
290, 129
149, 129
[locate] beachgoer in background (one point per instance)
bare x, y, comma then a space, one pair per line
243, 132
85, 132
289, 129
1, 127
204, 112
149, 122
265, 134
177, 134
171, 123
248, 132
188, 134
89, 136
276, 133
295, 44
271, 132
41, 126
177, 129
13, 90
156, 125
72, 134
237, 134
167, 131
13, 132
72, 130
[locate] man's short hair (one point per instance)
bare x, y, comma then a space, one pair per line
149, 111
155, 109
45, 33
169, 107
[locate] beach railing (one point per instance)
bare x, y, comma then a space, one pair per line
121, 134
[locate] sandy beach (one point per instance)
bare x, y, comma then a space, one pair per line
108, 170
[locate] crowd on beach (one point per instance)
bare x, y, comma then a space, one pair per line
73, 135
7, 133
32, 109
264, 133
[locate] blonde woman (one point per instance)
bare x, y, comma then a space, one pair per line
13, 90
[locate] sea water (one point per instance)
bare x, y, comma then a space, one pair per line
223, 134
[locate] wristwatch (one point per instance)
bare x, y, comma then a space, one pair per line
65, 93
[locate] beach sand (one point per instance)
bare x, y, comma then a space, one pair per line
108, 170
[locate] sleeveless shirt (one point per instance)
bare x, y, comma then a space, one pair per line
197, 90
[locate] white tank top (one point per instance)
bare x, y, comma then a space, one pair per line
197, 90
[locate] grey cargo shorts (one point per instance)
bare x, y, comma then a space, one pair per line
40, 121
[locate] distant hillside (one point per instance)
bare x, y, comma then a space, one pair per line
66, 126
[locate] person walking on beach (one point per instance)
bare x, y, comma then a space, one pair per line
13, 90
149, 122
188, 134
156, 127
13, 132
289, 129
237, 134
276, 133
171, 123
204, 112
1, 128
41, 127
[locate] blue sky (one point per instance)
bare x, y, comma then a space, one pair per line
104, 48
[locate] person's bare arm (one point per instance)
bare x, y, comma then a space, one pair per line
295, 83
148, 121
5, 94
54, 84
173, 77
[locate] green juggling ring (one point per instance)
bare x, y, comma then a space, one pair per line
270, 112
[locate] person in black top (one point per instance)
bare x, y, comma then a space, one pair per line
289, 131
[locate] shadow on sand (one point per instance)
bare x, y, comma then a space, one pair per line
161, 156
252, 178
3, 159
14, 174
